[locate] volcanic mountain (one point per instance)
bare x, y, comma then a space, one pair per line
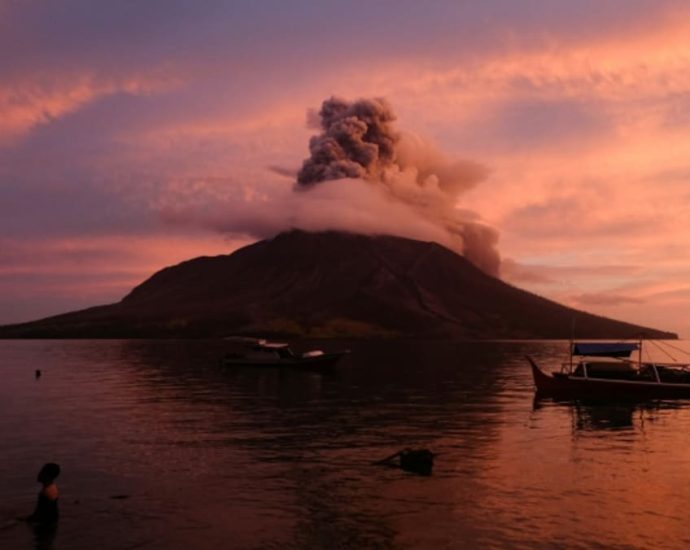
329, 284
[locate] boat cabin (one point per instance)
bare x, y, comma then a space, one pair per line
273, 349
605, 369
601, 360
246, 351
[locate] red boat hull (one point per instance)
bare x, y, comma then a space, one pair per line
561, 384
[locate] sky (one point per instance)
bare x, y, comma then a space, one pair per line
135, 135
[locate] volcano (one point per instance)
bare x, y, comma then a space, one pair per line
330, 284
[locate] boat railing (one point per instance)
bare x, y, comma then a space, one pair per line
586, 367
627, 369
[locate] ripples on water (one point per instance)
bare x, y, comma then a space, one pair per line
203, 457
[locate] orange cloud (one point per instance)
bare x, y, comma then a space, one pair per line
36, 100
582, 136
82, 271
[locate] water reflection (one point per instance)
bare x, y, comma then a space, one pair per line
363, 398
43, 535
277, 458
319, 433
612, 414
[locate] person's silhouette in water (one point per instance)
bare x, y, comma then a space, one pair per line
46, 511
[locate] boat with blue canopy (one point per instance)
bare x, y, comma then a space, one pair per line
610, 370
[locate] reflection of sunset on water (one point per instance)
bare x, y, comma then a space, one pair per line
274, 457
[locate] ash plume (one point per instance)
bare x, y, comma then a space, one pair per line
358, 140
362, 176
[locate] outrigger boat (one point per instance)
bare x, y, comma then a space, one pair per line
256, 352
605, 370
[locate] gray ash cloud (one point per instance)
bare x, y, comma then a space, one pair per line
364, 176
358, 140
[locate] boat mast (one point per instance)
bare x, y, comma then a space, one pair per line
572, 341
639, 357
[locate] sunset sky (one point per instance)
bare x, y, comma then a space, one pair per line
134, 135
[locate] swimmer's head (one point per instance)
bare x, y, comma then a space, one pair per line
48, 473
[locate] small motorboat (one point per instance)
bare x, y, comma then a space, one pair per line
605, 370
254, 352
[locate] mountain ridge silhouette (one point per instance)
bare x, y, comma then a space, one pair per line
330, 284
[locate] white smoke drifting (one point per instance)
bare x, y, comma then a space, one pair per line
358, 141
362, 176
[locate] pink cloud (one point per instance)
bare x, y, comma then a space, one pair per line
541, 274
35, 100
582, 130
604, 299
49, 276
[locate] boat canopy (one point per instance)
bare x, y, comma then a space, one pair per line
271, 345
605, 350
256, 343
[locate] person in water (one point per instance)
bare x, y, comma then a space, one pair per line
47, 505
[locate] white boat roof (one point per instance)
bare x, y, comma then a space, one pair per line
260, 342
272, 345
243, 339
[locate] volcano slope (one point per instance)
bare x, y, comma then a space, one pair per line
330, 284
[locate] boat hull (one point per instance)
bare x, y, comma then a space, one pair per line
564, 385
319, 362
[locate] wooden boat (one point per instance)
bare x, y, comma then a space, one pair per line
262, 353
604, 370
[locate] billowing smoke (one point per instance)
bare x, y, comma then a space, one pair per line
362, 176
358, 140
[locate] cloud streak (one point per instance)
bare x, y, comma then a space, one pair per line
35, 101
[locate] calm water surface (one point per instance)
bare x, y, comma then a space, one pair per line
162, 448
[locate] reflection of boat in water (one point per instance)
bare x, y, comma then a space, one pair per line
253, 352
609, 414
605, 370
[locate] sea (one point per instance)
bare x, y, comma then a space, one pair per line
161, 447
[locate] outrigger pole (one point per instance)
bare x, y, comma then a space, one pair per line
572, 341
639, 355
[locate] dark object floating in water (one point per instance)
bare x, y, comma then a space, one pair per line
418, 461
119, 497
254, 352
587, 375
38, 373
